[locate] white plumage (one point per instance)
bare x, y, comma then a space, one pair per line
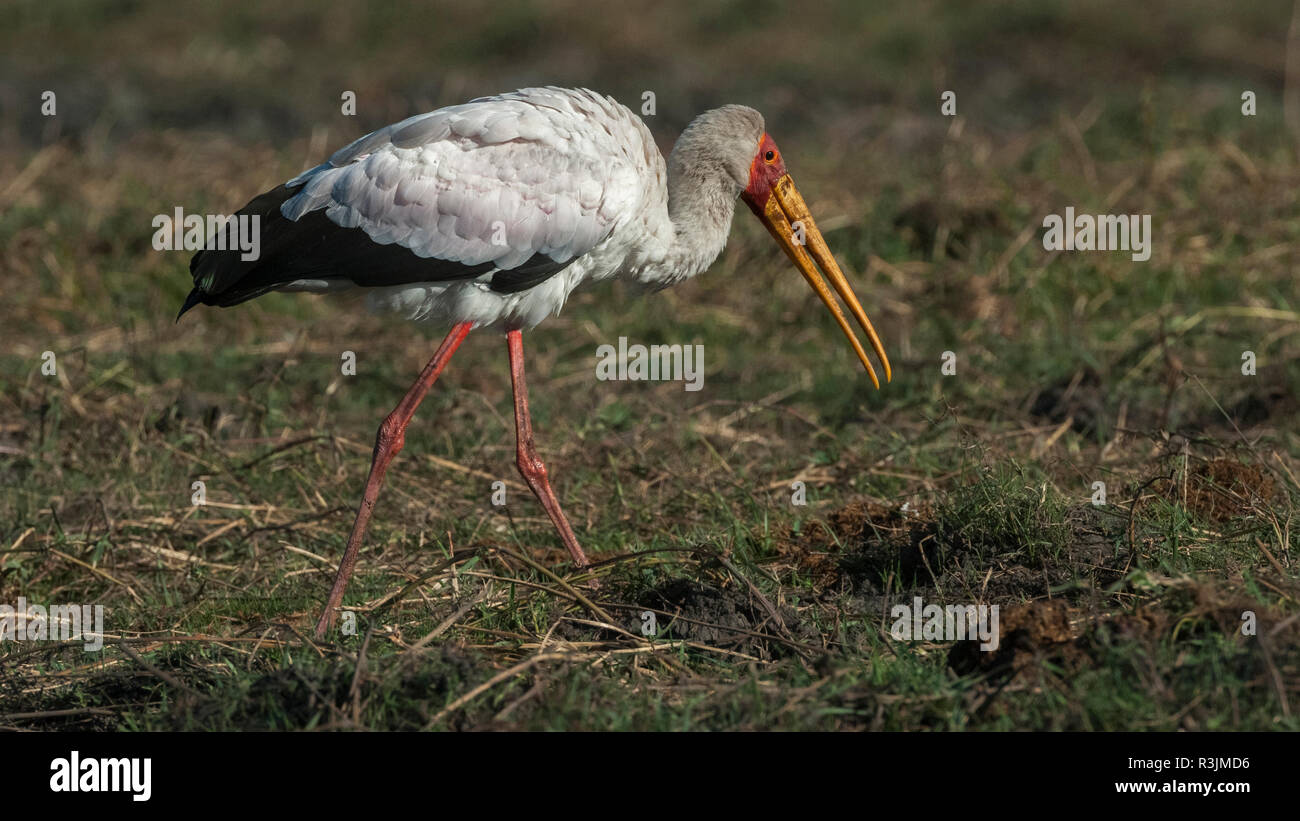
559, 172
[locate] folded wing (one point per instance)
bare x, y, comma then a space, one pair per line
505, 190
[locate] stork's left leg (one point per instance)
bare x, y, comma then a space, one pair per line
388, 443
530, 464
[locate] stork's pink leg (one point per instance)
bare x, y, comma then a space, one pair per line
392, 435
530, 464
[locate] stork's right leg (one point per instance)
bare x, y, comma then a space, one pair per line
392, 435
530, 464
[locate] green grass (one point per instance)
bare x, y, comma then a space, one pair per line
975, 487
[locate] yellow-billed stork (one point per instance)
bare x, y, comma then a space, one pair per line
489, 214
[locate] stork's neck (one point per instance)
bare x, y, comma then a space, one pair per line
700, 208
701, 202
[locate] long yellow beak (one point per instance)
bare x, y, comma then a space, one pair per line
783, 215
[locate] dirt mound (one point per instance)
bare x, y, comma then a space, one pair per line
1028, 633
874, 549
1068, 637
1055, 632
1225, 489
864, 540
724, 617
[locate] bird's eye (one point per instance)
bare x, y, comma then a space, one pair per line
769, 156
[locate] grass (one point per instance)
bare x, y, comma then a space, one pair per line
976, 487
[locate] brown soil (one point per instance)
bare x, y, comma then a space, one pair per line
1225, 489
875, 547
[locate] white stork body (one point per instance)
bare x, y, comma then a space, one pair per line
492, 212
567, 174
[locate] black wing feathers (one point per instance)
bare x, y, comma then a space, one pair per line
313, 247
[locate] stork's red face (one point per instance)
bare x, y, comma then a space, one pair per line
766, 168
772, 197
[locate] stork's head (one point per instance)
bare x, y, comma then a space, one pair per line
771, 195
717, 145
728, 152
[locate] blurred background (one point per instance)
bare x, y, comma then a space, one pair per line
1104, 106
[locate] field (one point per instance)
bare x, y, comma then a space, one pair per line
1172, 603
